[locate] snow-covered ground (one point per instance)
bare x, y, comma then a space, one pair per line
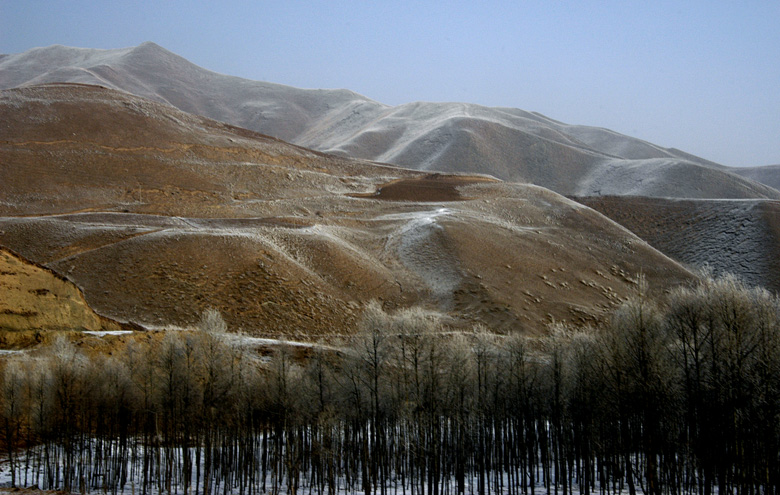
495, 484
417, 248
103, 333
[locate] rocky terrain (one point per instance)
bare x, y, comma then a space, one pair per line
157, 214
509, 144
725, 236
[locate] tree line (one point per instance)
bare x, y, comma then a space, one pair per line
677, 395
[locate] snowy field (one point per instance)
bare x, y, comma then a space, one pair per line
498, 484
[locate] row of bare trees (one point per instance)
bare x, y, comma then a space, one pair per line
679, 395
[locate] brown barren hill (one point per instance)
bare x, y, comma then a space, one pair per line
157, 215
432, 187
37, 298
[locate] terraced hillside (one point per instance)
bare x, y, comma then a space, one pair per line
157, 215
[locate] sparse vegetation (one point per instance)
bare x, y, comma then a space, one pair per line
679, 395
156, 215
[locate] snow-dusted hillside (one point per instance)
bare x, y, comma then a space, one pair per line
507, 143
157, 214
769, 174
736, 237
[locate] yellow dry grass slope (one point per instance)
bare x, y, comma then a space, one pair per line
34, 297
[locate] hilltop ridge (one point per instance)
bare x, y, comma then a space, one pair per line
510, 144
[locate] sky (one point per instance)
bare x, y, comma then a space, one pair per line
701, 76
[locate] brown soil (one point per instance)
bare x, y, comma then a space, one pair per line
430, 188
37, 298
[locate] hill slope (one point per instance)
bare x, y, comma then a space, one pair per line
768, 174
158, 214
738, 237
36, 298
507, 143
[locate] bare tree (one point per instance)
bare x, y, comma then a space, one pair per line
13, 410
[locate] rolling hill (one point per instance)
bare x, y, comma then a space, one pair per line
509, 144
768, 174
157, 214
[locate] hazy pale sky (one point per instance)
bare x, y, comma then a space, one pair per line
702, 76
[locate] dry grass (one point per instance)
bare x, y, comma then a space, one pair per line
37, 298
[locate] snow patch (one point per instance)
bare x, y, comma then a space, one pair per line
418, 250
103, 333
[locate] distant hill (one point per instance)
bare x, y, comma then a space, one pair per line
506, 143
157, 214
769, 174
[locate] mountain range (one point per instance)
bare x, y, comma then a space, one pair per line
509, 144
